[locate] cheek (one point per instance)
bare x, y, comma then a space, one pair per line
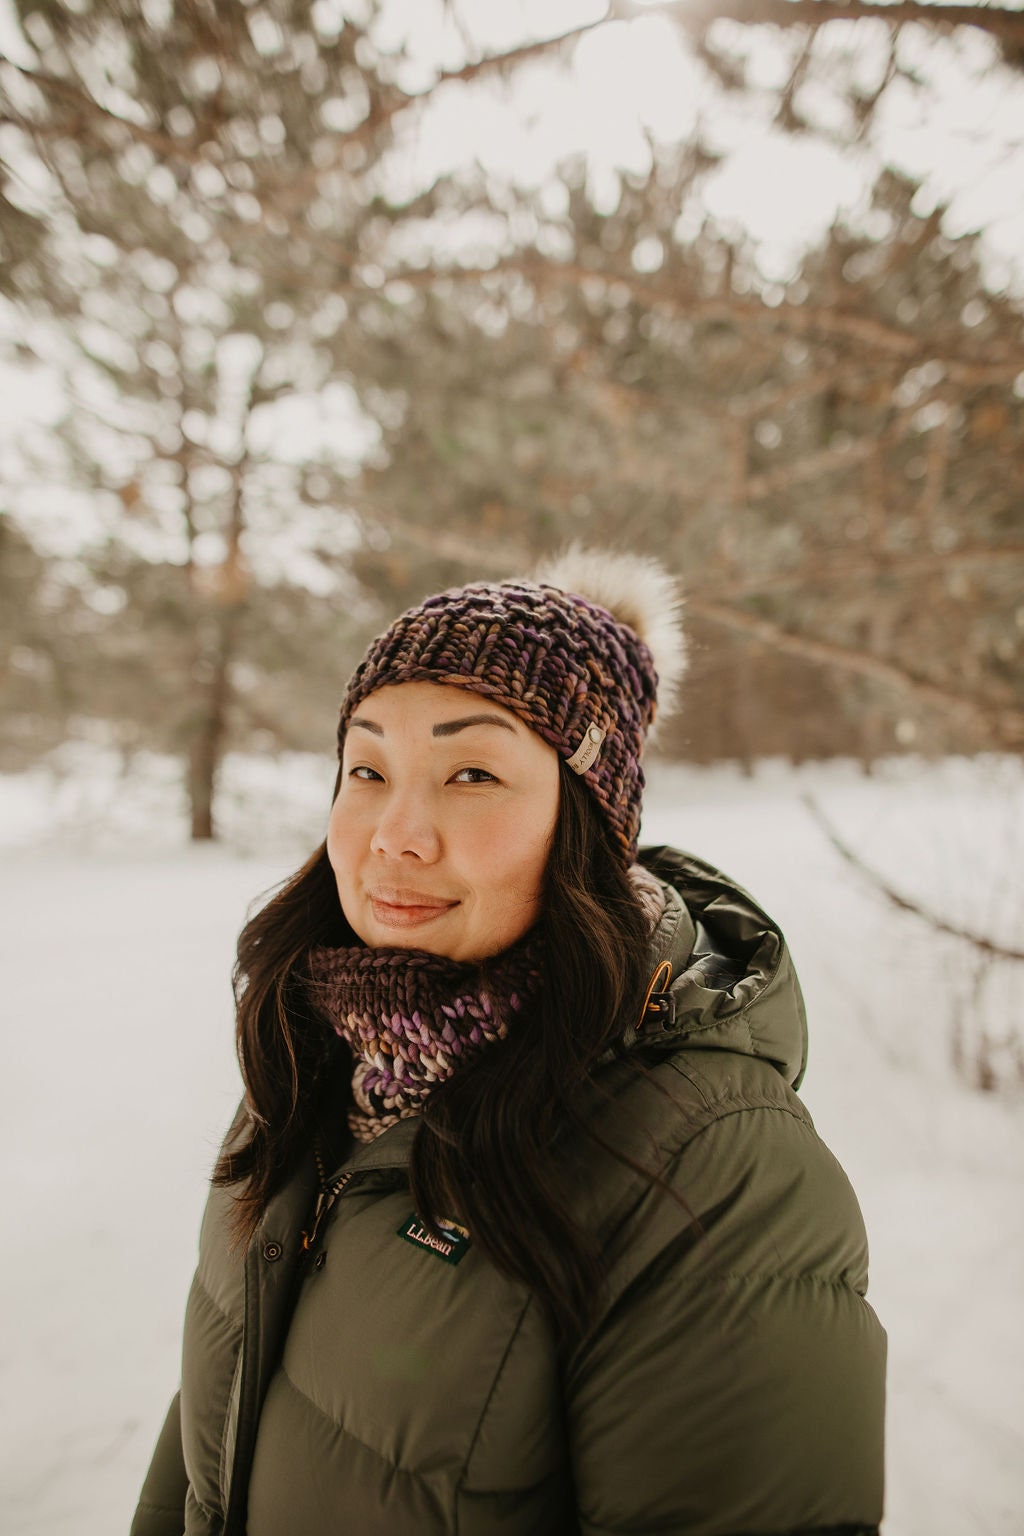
341, 844
512, 863
534, 859
523, 847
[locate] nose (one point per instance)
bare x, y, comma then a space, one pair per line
406, 828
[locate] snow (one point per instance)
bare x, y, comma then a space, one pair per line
120, 1078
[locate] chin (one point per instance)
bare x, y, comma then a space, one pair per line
381, 936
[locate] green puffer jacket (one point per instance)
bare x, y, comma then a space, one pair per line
733, 1382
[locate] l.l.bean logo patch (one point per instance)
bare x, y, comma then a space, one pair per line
451, 1244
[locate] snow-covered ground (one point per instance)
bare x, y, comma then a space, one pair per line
119, 1077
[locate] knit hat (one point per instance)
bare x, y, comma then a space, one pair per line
582, 653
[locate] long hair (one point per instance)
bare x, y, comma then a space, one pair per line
484, 1151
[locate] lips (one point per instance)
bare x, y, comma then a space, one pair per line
404, 896
401, 908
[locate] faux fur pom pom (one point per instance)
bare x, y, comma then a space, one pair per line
638, 591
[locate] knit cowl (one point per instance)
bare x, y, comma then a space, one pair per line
411, 1018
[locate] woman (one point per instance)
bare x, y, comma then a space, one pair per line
521, 1227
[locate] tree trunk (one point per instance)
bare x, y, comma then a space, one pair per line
211, 672
207, 737
226, 593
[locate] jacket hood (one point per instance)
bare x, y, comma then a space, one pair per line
721, 975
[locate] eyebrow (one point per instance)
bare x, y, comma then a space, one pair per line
444, 728
450, 727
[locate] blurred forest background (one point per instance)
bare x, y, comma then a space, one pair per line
288, 375
310, 307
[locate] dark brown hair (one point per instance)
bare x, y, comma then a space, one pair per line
484, 1151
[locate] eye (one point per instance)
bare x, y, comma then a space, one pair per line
473, 776
365, 775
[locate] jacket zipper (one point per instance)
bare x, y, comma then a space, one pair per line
235, 1514
245, 1428
324, 1201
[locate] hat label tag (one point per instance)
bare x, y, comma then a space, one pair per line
586, 753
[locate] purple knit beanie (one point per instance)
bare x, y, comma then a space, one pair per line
580, 652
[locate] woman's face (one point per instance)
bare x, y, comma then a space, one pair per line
441, 829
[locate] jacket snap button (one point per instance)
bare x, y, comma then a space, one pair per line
272, 1251
320, 1260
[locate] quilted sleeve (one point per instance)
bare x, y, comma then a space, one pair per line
735, 1381
161, 1509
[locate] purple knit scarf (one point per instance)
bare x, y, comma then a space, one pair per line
412, 1018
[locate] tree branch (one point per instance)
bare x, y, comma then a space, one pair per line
400, 101
496, 62
1000, 718
463, 549
695, 15
381, 115
798, 319
905, 903
845, 569
808, 468
53, 85
853, 377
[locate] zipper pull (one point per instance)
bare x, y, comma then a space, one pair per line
656, 1002
324, 1201
309, 1237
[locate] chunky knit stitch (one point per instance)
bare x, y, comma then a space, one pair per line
411, 1018
565, 665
